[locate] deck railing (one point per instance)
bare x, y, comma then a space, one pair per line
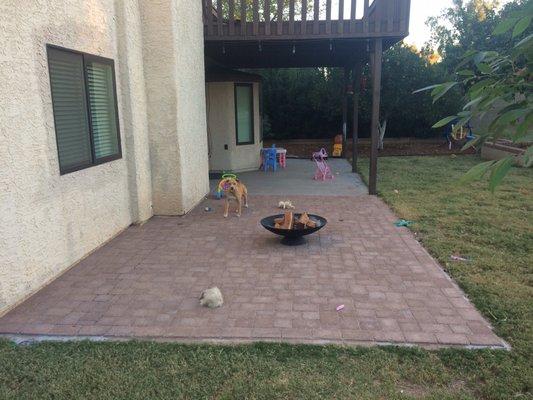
304, 19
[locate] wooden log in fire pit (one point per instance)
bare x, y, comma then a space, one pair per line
288, 221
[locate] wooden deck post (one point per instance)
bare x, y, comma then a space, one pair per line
345, 110
355, 128
376, 97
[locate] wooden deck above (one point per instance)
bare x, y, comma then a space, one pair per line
300, 33
265, 20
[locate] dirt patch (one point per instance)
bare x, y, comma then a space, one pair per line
417, 391
413, 390
392, 147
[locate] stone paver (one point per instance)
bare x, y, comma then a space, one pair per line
146, 283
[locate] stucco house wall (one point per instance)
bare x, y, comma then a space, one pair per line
222, 130
173, 52
49, 221
135, 132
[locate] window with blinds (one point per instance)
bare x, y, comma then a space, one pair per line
244, 113
85, 109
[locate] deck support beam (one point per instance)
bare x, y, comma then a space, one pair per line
377, 56
356, 84
345, 110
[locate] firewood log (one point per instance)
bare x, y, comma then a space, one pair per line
288, 220
306, 221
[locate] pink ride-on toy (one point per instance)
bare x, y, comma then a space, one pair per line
323, 171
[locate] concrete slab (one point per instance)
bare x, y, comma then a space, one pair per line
297, 179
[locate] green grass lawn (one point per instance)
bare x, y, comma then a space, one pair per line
494, 231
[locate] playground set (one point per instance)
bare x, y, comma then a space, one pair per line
459, 135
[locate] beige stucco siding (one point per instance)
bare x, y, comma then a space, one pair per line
130, 75
174, 73
192, 121
48, 221
221, 123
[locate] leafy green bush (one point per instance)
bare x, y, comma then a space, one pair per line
499, 89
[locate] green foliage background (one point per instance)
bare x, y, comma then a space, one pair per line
306, 103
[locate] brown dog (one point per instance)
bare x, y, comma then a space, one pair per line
234, 190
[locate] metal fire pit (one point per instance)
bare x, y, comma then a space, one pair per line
293, 237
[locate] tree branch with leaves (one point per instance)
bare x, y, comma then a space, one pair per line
498, 87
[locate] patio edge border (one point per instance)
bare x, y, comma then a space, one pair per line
31, 339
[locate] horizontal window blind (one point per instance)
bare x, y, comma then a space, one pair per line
102, 109
244, 113
70, 109
85, 111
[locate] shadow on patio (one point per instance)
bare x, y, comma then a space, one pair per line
145, 283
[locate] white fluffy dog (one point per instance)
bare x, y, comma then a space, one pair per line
211, 298
285, 205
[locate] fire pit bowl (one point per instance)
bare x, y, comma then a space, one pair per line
293, 237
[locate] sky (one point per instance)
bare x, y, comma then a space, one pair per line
420, 11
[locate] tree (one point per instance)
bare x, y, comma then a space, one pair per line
499, 88
302, 103
463, 26
306, 103
404, 70
468, 25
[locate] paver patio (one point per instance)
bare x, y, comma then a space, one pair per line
145, 283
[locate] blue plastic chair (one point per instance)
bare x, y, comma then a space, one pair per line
270, 159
